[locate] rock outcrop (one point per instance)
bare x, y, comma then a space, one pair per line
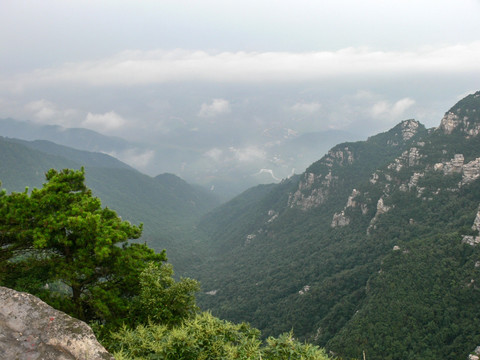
470, 239
463, 117
381, 209
475, 355
308, 197
409, 129
32, 330
470, 171
340, 219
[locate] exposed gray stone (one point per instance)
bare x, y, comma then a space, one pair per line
32, 330
469, 126
409, 129
471, 171
476, 222
471, 240
381, 209
454, 166
449, 122
340, 219
307, 196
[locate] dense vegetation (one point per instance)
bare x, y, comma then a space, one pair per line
167, 205
290, 266
58, 243
364, 254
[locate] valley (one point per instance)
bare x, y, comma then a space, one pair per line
372, 250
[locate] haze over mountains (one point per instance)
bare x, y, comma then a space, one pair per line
166, 204
373, 248
201, 158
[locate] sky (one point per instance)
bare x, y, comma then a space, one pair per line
226, 81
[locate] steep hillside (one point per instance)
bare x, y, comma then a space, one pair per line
167, 205
368, 250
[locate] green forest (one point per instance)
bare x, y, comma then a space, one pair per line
61, 245
395, 280
371, 253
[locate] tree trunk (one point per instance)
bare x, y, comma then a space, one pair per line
77, 302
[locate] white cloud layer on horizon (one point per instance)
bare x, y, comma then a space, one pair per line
216, 108
133, 68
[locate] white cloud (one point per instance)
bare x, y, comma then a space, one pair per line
45, 112
216, 108
153, 67
306, 108
248, 154
104, 122
136, 158
401, 106
42, 109
267, 171
389, 110
214, 154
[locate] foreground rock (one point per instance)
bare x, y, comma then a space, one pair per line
32, 330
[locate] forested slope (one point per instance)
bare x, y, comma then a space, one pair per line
372, 249
167, 205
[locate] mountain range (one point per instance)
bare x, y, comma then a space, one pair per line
371, 252
225, 165
168, 206
373, 249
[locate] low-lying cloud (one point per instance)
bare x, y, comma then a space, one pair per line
306, 108
104, 122
216, 108
45, 112
384, 109
155, 67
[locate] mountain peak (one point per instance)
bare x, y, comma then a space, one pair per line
409, 128
400, 134
463, 117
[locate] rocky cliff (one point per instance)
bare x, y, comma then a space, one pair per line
32, 330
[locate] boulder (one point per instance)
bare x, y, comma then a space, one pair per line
32, 330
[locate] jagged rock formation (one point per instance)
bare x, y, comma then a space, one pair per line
409, 128
307, 197
32, 330
475, 355
470, 171
340, 219
381, 209
463, 118
471, 239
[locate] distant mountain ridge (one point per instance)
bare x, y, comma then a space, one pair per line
77, 138
168, 206
373, 248
226, 165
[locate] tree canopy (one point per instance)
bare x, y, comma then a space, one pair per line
60, 237
58, 243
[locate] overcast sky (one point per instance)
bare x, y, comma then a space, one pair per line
146, 70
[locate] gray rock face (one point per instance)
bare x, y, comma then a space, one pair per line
469, 125
470, 171
308, 197
340, 220
409, 129
32, 330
